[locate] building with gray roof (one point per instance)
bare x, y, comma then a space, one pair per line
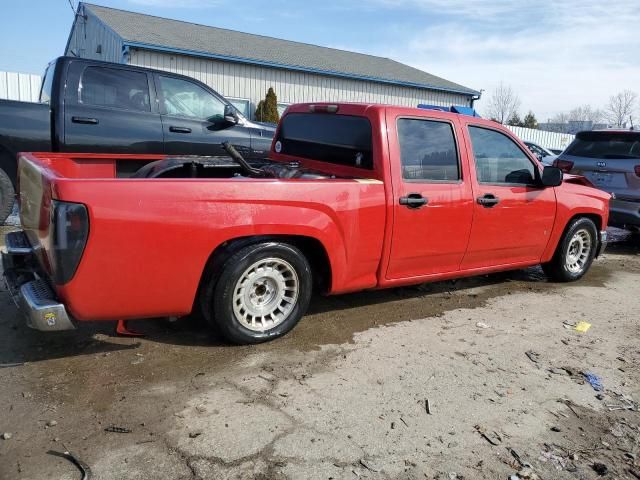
242, 66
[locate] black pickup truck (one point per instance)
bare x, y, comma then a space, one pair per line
92, 106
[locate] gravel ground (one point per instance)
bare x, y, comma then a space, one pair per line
344, 396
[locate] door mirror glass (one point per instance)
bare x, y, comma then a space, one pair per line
230, 114
551, 177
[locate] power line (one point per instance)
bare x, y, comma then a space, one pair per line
73, 9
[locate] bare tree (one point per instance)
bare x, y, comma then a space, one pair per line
561, 117
584, 113
503, 104
620, 108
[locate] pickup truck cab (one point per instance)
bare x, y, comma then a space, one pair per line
93, 106
352, 197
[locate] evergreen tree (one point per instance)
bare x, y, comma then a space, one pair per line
514, 120
267, 109
530, 120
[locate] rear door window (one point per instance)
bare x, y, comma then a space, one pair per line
114, 88
606, 145
341, 139
499, 160
428, 150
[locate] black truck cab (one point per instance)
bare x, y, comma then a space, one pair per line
99, 107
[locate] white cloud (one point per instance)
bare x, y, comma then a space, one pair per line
555, 54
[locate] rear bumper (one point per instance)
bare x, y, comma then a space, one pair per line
30, 291
624, 213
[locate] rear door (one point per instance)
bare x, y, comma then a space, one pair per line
433, 203
193, 120
110, 109
513, 215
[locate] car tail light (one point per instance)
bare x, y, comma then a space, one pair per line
69, 234
637, 169
564, 165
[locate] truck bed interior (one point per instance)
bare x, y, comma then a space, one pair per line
78, 165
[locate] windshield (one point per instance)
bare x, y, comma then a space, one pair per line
606, 145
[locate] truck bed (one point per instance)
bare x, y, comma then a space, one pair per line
172, 226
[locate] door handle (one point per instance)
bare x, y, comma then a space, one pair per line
488, 200
413, 200
85, 120
179, 129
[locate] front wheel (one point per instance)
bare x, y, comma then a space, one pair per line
575, 252
262, 293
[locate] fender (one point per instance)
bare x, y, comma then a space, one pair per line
575, 200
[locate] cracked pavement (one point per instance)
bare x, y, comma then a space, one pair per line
344, 395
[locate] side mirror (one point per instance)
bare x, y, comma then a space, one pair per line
551, 177
230, 115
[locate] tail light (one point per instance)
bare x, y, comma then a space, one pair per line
69, 233
637, 169
564, 165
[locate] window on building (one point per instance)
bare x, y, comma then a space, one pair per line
342, 139
427, 150
187, 99
242, 105
499, 159
115, 88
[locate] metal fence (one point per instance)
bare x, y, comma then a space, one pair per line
19, 86
544, 138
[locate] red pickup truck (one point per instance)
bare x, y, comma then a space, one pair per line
352, 197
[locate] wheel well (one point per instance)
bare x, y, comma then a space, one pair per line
597, 219
311, 248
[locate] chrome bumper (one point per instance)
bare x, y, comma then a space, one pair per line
31, 293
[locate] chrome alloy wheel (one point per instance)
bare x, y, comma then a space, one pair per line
265, 294
579, 250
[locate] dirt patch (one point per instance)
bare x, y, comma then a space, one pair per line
344, 395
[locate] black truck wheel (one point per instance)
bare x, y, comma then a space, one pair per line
7, 196
574, 253
262, 292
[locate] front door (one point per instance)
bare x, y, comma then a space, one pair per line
433, 202
193, 120
513, 214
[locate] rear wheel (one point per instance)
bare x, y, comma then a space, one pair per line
261, 293
7, 196
575, 252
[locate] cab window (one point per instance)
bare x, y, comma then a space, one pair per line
427, 150
114, 88
186, 99
499, 160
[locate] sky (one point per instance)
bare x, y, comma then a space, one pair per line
555, 54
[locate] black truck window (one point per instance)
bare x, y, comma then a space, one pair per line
186, 99
332, 138
427, 150
115, 88
47, 84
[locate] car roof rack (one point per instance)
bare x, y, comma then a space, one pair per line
453, 109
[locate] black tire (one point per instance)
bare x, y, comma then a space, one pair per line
220, 311
559, 269
7, 196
